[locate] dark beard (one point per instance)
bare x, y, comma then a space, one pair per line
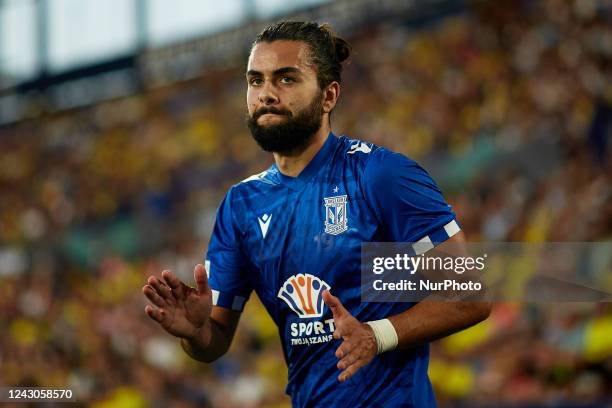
294, 134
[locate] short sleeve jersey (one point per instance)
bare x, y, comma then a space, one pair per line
290, 238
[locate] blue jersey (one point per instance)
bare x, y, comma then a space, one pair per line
290, 238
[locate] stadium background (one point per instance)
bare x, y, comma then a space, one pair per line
112, 165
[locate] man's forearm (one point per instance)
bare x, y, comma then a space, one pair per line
432, 320
208, 349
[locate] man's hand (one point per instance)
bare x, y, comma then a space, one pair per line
358, 347
181, 310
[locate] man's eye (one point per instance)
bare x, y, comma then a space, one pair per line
255, 81
287, 80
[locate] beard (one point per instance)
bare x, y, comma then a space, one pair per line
291, 136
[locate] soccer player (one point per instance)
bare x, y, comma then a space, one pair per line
293, 234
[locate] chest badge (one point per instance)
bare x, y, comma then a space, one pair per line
336, 221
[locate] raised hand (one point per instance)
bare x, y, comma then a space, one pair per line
181, 310
358, 347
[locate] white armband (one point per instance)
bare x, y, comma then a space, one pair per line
385, 334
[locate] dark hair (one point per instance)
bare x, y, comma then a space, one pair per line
327, 50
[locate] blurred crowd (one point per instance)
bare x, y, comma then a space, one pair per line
508, 104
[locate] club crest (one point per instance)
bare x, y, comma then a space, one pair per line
336, 221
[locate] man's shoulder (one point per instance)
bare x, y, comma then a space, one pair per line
355, 152
362, 154
356, 148
378, 165
253, 186
265, 177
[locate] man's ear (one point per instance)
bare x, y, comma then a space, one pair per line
330, 96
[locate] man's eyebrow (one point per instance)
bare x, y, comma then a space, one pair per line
280, 71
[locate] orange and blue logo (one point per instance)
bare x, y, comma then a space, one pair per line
302, 293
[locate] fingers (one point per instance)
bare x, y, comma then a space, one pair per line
338, 332
154, 313
355, 351
338, 312
343, 350
159, 294
350, 371
175, 283
162, 289
334, 304
201, 279
152, 295
347, 354
348, 359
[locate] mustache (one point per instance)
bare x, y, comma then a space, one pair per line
276, 111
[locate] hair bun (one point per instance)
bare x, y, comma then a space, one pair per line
342, 49
327, 51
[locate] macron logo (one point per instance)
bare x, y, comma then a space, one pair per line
264, 223
359, 147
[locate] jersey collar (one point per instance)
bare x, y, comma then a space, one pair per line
312, 167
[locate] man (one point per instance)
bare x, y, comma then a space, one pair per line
293, 233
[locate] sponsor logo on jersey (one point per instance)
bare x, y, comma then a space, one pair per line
359, 147
302, 293
336, 221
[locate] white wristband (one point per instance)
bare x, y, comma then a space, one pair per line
385, 334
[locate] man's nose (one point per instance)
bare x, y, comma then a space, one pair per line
268, 96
